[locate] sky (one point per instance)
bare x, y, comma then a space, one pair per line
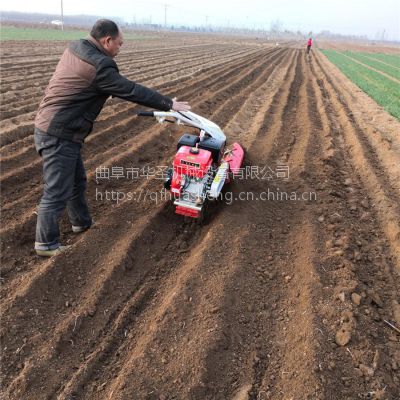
350, 17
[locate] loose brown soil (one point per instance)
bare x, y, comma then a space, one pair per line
267, 299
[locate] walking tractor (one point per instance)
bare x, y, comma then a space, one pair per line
202, 165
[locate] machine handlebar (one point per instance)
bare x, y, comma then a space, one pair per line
145, 113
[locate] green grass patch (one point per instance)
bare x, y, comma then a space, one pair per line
366, 59
8, 32
383, 90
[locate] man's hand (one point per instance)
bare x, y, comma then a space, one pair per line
180, 105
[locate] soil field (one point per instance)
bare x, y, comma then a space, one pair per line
279, 299
367, 47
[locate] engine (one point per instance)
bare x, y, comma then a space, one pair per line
201, 166
194, 170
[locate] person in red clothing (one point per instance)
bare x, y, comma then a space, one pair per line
309, 44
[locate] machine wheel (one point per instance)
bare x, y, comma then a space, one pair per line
201, 219
168, 180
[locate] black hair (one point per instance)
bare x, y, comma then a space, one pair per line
103, 28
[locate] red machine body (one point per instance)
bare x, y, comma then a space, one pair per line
235, 158
195, 164
202, 164
189, 161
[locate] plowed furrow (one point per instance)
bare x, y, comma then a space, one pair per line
244, 367
372, 174
377, 157
106, 301
281, 294
123, 381
221, 274
26, 225
123, 58
7, 136
291, 262
144, 69
130, 126
380, 140
10, 152
349, 262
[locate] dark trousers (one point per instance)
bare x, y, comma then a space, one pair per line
64, 180
308, 49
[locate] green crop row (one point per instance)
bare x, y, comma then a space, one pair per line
391, 59
8, 32
382, 89
366, 59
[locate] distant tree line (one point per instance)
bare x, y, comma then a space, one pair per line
275, 33
45, 19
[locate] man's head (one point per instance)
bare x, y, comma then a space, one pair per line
108, 34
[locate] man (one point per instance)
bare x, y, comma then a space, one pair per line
85, 77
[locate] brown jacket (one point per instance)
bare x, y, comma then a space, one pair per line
83, 80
